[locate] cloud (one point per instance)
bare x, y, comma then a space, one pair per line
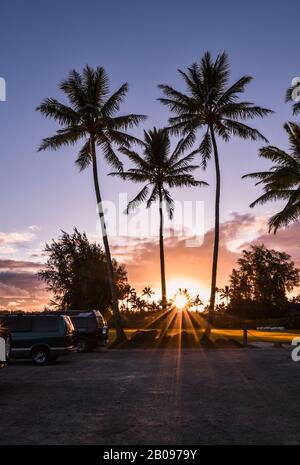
9, 291
20, 265
34, 228
20, 287
285, 240
16, 237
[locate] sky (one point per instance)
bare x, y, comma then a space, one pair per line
142, 43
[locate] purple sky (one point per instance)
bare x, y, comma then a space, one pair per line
143, 43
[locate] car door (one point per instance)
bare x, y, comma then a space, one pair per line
20, 328
46, 331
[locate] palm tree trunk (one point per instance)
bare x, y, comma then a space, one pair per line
217, 229
162, 255
114, 297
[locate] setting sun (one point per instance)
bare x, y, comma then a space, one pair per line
180, 301
193, 287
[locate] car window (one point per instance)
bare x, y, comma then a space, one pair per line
81, 322
45, 324
19, 324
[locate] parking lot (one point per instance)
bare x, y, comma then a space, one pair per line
241, 396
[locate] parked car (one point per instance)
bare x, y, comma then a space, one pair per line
91, 329
43, 338
4, 346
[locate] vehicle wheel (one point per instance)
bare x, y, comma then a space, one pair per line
40, 356
81, 345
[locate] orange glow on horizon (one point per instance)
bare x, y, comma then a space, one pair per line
193, 287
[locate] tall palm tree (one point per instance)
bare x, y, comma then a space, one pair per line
158, 169
211, 104
282, 180
90, 117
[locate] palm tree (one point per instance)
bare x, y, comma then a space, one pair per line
147, 292
282, 180
225, 293
212, 105
159, 169
90, 117
197, 301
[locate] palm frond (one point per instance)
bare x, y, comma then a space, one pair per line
290, 213
166, 197
205, 149
243, 111
112, 105
127, 121
109, 153
52, 108
63, 137
230, 95
84, 158
242, 130
131, 175
139, 198
183, 144
154, 196
74, 89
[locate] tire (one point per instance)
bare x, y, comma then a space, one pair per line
81, 345
40, 356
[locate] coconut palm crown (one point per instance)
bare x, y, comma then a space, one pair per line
282, 180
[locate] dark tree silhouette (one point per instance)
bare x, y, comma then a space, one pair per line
76, 273
259, 285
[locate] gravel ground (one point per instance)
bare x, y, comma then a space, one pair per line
162, 397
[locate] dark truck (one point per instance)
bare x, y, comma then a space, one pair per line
4, 346
90, 329
43, 338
